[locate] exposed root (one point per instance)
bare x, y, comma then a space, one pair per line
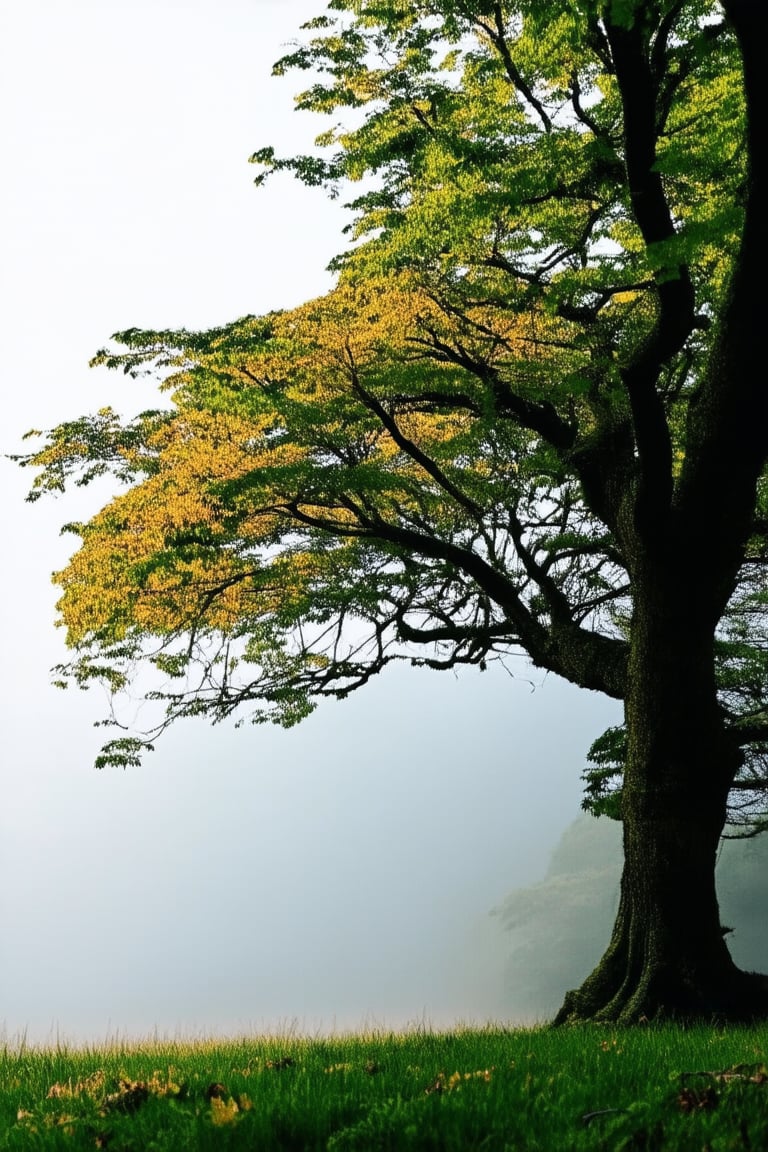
734, 997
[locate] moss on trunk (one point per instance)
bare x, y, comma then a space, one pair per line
667, 956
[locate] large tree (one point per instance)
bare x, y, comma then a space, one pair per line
528, 417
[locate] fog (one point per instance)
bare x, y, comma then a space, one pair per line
558, 927
334, 875
337, 875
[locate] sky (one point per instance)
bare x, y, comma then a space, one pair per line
337, 875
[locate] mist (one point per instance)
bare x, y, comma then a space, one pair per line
558, 927
331, 876
334, 876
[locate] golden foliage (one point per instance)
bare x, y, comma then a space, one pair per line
169, 545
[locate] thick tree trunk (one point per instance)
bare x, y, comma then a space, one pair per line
667, 955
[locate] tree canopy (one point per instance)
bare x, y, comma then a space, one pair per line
524, 420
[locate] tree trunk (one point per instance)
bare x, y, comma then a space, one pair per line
667, 955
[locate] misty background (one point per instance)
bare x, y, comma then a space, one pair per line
557, 928
336, 875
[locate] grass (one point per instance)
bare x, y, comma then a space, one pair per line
656, 1088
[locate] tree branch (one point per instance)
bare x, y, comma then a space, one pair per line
409, 447
540, 418
498, 37
674, 289
728, 417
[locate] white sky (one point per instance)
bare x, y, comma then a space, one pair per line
334, 875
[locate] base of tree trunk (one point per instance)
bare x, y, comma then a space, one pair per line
729, 995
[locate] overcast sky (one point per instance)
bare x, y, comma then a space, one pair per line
334, 875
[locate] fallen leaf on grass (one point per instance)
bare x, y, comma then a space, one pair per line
91, 1086
130, 1095
748, 1073
752, 1073
691, 1101
454, 1082
224, 1111
216, 1091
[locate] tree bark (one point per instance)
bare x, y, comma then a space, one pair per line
667, 956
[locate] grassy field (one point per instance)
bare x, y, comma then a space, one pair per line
655, 1088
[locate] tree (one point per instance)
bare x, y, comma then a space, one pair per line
556, 926
526, 418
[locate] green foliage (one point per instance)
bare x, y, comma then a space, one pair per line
742, 675
125, 752
483, 438
602, 787
93, 446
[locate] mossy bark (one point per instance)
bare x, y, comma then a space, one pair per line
667, 956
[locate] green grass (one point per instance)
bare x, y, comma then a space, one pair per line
492, 1089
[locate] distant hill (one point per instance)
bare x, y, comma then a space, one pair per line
559, 927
